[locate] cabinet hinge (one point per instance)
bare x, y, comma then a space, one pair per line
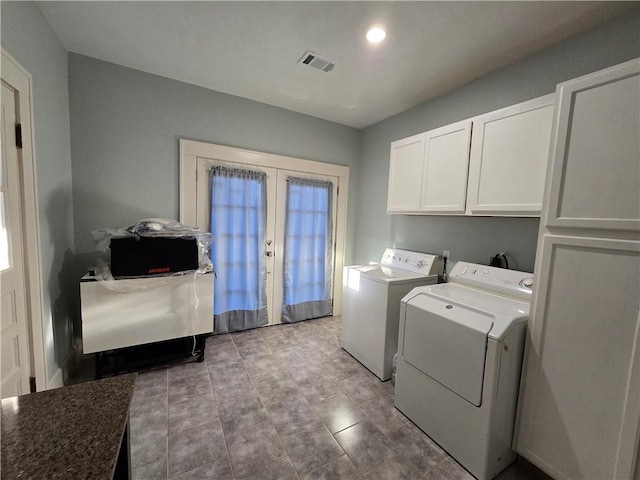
18, 135
32, 384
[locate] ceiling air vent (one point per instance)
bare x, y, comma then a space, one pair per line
319, 63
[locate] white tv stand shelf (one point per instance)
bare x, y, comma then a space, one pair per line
136, 311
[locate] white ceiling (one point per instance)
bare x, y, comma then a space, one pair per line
251, 49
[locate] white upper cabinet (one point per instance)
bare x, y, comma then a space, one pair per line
494, 164
598, 122
406, 166
444, 183
428, 171
509, 153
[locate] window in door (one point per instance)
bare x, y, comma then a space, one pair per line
238, 225
308, 249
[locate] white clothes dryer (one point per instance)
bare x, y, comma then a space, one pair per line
371, 304
460, 351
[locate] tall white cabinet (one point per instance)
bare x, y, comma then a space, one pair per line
579, 411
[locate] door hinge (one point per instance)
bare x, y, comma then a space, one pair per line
18, 135
337, 191
32, 384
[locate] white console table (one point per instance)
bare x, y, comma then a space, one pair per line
137, 311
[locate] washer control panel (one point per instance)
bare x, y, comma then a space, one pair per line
417, 262
511, 283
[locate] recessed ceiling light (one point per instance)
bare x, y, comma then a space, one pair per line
376, 34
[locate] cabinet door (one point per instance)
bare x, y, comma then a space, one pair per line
597, 185
580, 397
509, 152
444, 186
405, 174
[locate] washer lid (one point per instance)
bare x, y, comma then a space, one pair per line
384, 274
447, 342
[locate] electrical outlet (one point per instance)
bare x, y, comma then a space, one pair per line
446, 254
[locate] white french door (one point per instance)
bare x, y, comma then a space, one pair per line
197, 157
273, 237
240, 214
23, 345
14, 362
304, 268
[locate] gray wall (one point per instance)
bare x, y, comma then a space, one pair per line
29, 39
476, 238
125, 126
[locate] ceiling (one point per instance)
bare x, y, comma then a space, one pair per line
251, 49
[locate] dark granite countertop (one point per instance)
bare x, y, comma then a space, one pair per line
71, 432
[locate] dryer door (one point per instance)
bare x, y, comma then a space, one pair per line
447, 342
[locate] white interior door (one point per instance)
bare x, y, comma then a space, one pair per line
14, 366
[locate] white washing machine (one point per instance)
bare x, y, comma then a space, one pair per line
371, 304
460, 353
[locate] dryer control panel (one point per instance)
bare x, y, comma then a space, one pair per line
510, 283
417, 262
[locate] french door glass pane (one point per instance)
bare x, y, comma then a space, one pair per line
238, 225
308, 250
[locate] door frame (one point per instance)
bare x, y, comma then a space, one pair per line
18, 79
191, 151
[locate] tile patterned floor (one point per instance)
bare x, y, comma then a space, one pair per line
282, 402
